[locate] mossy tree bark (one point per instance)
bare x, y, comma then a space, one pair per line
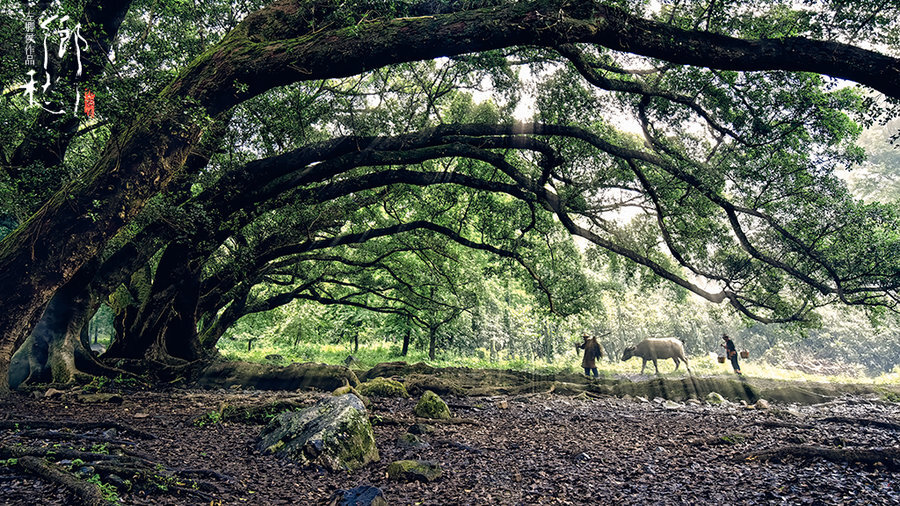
166, 324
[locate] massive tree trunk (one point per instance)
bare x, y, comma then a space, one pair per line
55, 351
277, 46
165, 326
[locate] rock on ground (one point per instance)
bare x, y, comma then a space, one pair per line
335, 434
432, 406
414, 470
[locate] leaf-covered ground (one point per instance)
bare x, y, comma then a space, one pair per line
522, 449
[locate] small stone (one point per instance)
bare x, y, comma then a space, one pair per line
503, 405
762, 404
641, 399
141, 415
85, 471
694, 402
671, 405
714, 398
420, 428
659, 400
411, 441
111, 433
414, 470
365, 495
52, 393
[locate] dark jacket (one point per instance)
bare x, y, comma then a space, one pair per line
591, 353
730, 350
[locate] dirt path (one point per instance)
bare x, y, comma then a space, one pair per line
522, 449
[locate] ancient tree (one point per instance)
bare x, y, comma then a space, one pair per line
247, 165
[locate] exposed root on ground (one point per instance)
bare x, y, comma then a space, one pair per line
73, 425
104, 466
88, 493
867, 422
389, 420
783, 425
888, 458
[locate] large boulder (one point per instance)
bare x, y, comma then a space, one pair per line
272, 377
335, 434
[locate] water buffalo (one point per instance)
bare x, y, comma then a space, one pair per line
653, 349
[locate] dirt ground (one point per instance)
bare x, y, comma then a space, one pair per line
529, 448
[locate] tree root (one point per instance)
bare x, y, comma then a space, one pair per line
783, 425
867, 422
888, 458
389, 420
261, 414
448, 421
71, 436
18, 452
459, 446
88, 493
73, 425
123, 461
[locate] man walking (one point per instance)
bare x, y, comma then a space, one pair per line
731, 352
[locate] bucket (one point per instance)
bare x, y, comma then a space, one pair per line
721, 359
745, 354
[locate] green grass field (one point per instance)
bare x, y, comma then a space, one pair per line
368, 356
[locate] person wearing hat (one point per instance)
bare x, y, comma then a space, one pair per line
592, 352
731, 352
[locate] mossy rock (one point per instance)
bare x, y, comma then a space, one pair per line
271, 377
714, 398
364, 494
414, 470
420, 428
417, 384
335, 434
408, 440
383, 387
432, 406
